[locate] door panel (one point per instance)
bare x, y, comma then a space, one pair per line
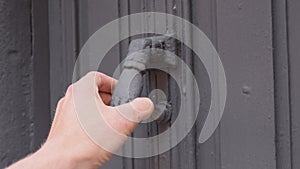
242, 33
245, 45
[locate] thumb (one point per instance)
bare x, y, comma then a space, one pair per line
127, 116
123, 120
137, 110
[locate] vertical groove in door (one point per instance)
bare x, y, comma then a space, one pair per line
187, 148
293, 14
281, 85
41, 71
62, 47
77, 27
123, 10
204, 14
217, 134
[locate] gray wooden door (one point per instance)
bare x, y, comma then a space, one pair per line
257, 43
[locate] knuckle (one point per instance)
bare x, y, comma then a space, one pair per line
70, 89
61, 101
60, 104
91, 73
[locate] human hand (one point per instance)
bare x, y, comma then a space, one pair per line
69, 146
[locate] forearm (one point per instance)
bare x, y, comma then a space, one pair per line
44, 158
56, 155
68, 146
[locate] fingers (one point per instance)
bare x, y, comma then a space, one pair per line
130, 114
86, 89
111, 128
101, 82
137, 110
106, 98
105, 83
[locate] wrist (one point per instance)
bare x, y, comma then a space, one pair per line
66, 157
52, 157
45, 157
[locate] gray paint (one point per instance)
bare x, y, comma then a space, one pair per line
134, 69
63, 46
205, 17
40, 75
281, 86
260, 128
294, 70
244, 40
16, 136
24, 74
244, 33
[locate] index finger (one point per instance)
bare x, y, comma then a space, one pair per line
105, 83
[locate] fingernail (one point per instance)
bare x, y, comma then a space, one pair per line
143, 106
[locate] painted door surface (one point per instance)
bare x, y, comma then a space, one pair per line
257, 45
